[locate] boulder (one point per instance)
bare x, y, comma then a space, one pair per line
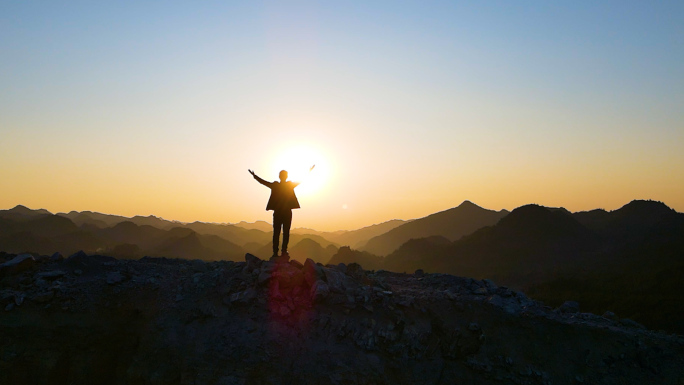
342, 267
19, 298
295, 263
252, 262
508, 304
319, 291
77, 256
354, 270
490, 285
266, 272
52, 274
480, 291
114, 277
312, 272
17, 264
335, 280
288, 276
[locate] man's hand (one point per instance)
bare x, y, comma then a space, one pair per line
252, 172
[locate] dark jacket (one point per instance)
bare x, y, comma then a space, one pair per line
282, 195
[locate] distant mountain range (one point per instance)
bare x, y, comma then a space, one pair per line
451, 224
26, 230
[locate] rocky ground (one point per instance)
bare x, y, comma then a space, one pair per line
93, 319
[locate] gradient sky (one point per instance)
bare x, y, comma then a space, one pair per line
407, 108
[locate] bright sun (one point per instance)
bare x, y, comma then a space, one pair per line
297, 161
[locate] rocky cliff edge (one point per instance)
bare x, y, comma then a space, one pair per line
94, 319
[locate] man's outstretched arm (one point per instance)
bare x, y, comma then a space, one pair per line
305, 177
265, 183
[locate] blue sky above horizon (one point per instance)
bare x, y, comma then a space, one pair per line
409, 108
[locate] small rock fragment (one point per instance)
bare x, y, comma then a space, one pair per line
480, 291
50, 274
114, 277
569, 307
609, 315
319, 291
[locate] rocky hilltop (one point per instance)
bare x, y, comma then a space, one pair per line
93, 319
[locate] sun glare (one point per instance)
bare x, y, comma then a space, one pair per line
297, 161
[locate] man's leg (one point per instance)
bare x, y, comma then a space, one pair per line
287, 222
277, 223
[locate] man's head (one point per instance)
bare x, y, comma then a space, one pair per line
283, 176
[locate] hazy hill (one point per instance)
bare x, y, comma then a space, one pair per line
415, 254
244, 234
145, 237
308, 248
258, 225
265, 250
233, 233
46, 233
96, 219
190, 245
346, 255
22, 213
451, 224
50, 226
108, 220
151, 220
357, 238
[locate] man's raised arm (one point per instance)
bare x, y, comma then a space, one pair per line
265, 183
305, 176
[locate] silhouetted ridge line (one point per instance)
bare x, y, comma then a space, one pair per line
452, 224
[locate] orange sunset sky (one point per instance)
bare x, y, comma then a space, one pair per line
406, 108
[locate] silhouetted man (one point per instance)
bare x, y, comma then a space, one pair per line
282, 201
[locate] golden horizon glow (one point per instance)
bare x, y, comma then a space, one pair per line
405, 111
